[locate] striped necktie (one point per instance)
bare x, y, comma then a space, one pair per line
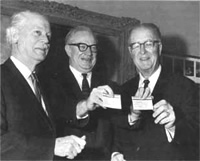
36, 86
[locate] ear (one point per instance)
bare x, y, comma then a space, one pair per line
13, 35
160, 49
129, 49
130, 52
68, 50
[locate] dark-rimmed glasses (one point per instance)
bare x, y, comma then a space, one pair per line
148, 45
83, 47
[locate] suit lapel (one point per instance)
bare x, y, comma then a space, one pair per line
50, 116
19, 78
70, 83
134, 85
24, 86
160, 86
96, 80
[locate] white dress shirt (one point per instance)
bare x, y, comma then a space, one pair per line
24, 70
152, 79
79, 77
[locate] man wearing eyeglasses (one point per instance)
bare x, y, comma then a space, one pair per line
170, 130
79, 93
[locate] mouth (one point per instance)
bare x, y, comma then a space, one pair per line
86, 59
144, 58
42, 50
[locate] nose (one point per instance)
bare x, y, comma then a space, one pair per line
89, 51
142, 49
46, 39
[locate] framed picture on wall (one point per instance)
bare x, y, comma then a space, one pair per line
111, 34
198, 69
188, 66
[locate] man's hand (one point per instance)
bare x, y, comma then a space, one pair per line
141, 94
94, 100
96, 97
69, 146
164, 114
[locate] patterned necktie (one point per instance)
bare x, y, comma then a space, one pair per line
85, 86
35, 83
146, 82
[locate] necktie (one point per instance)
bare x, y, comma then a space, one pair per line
146, 82
35, 83
85, 86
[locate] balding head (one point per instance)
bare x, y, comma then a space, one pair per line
149, 26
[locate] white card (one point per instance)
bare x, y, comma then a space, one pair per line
112, 102
142, 104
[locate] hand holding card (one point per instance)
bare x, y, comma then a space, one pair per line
142, 104
112, 102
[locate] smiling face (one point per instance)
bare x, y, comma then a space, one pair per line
33, 40
81, 61
145, 57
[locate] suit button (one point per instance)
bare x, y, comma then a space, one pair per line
69, 121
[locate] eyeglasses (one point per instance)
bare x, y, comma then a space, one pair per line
148, 45
83, 47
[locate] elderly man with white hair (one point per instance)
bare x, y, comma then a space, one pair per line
27, 129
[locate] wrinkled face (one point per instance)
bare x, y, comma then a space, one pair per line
145, 48
82, 58
33, 41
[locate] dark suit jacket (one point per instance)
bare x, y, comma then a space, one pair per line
64, 94
147, 140
27, 133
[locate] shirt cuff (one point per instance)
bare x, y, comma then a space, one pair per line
132, 119
170, 133
83, 117
114, 153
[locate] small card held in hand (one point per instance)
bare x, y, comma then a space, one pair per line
142, 104
112, 102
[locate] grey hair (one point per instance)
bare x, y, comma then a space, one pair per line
155, 29
18, 20
78, 29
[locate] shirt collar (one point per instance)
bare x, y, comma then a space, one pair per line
24, 70
153, 78
79, 77
77, 73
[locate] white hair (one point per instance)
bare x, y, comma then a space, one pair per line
18, 20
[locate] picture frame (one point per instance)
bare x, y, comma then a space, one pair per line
188, 66
111, 32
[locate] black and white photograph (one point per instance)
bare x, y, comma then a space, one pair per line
71, 68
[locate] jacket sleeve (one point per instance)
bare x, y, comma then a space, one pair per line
187, 115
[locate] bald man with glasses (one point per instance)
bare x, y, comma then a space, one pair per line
78, 96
